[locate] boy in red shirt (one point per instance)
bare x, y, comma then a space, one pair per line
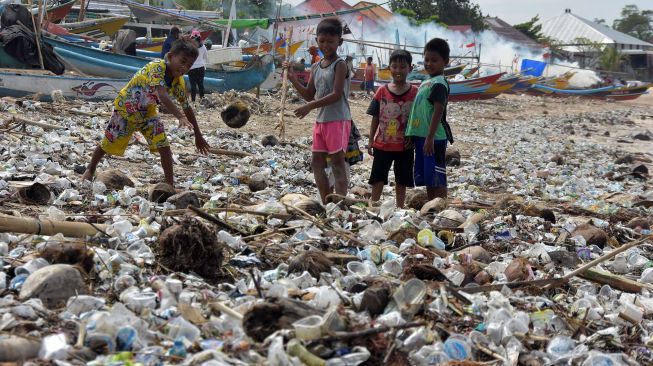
390, 110
369, 76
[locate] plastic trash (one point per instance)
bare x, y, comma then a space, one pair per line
179, 327
457, 347
54, 347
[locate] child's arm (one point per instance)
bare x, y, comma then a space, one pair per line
307, 92
338, 89
171, 107
438, 109
201, 144
373, 128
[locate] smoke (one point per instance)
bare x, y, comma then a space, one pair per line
497, 54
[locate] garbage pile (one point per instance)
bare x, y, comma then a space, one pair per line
542, 255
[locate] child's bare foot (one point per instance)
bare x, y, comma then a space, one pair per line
88, 175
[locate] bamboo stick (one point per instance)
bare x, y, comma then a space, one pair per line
284, 89
23, 121
615, 281
36, 28
29, 225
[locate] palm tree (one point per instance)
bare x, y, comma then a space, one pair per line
611, 59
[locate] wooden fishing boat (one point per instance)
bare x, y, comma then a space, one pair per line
97, 28
267, 47
20, 83
155, 44
524, 83
96, 62
471, 89
56, 13
607, 92
500, 86
423, 75
559, 81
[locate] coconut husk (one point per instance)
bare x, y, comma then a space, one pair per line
639, 223
592, 235
470, 270
518, 270
426, 272
312, 261
448, 218
78, 254
375, 299
433, 206
35, 194
267, 317
452, 157
416, 199
190, 247
269, 140
399, 236
538, 211
114, 179
292, 199
311, 207
559, 160
160, 192
236, 114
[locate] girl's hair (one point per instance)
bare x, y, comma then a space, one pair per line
330, 26
187, 48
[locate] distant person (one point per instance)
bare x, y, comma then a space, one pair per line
369, 76
327, 92
390, 110
136, 109
350, 66
167, 44
315, 55
428, 125
197, 71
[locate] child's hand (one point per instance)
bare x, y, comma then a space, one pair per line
287, 65
429, 147
201, 144
183, 122
302, 111
370, 151
408, 143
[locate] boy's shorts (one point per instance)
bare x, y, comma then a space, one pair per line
331, 137
119, 131
430, 171
403, 167
369, 85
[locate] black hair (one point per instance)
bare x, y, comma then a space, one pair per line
438, 45
401, 55
174, 30
330, 26
187, 48
369, 58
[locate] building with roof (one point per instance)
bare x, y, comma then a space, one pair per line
576, 36
360, 23
511, 34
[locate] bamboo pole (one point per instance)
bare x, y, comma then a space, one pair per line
284, 89
36, 28
29, 225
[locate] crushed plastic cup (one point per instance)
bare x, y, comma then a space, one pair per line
84, 303
560, 347
179, 327
457, 347
141, 300
427, 238
31, 266
409, 296
54, 347
358, 269
174, 285
122, 227
309, 328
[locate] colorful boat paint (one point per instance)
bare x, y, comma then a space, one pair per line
17, 84
97, 28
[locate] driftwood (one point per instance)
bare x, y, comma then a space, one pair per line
28, 225
26, 122
229, 152
341, 336
615, 281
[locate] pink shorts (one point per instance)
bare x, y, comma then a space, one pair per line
331, 137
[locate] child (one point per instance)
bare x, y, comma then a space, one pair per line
390, 110
327, 91
136, 109
369, 76
428, 122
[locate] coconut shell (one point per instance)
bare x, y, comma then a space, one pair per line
160, 192
592, 235
375, 299
269, 140
639, 223
114, 179
482, 278
257, 182
433, 206
559, 160
448, 218
236, 114
292, 199
452, 157
35, 194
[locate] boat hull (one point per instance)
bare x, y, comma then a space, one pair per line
17, 84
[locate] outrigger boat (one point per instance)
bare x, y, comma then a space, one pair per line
607, 92
97, 28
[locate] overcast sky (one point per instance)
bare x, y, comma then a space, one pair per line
517, 11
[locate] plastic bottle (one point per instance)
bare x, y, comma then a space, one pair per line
178, 349
3, 281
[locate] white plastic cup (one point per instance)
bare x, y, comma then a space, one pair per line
308, 328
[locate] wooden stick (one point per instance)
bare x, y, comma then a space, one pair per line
36, 32
30, 225
615, 281
284, 89
216, 220
340, 336
23, 121
229, 152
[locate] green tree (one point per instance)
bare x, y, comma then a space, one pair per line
601, 21
450, 12
611, 59
412, 17
531, 28
637, 23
